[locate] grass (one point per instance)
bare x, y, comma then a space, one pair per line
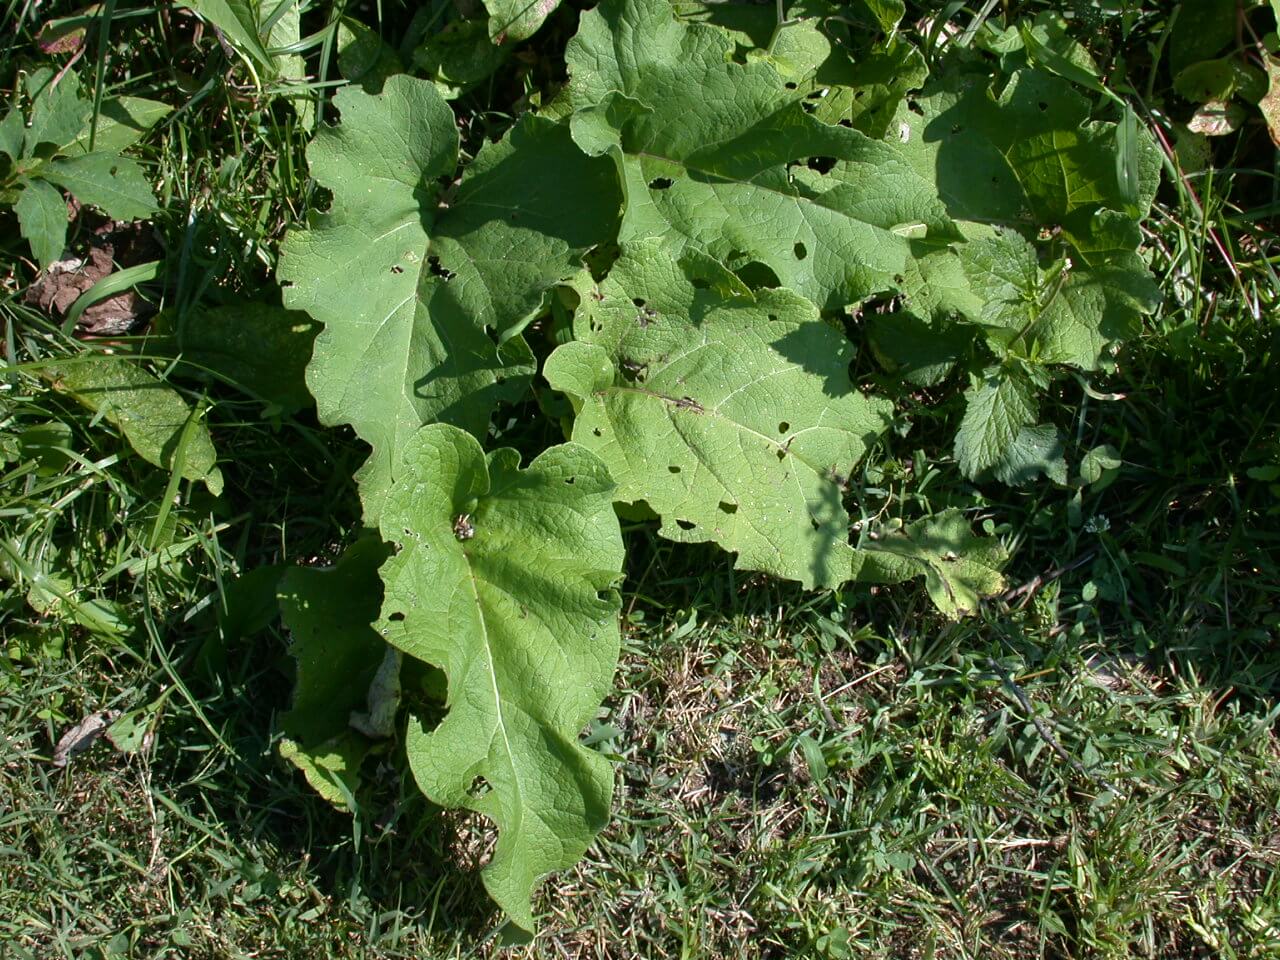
1090, 767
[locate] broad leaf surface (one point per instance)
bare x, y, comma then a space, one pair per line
58, 112
122, 122
259, 348
410, 283
1068, 317
1034, 451
155, 419
513, 20
116, 185
727, 171
1026, 156
732, 418
503, 578
959, 568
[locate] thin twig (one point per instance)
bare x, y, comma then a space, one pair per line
1032, 586
1045, 733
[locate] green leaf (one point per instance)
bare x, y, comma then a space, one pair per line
1035, 450
122, 122
1026, 157
152, 415
409, 292
503, 578
260, 348
284, 18
997, 407
511, 21
364, 57
42, 215
959, 568
330, 614
1269, 105
58, 113
865, 91
1211, 80
887, 13
332, 768
732, 418
116, 185
12, 132
238, 21
736, 184
1071, 316
919, 351
459, 55
1100, 466
1202, 28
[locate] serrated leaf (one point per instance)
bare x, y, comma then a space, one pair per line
153, 417
997, 407
736, 183
58, 113
959, 568
1070, 317
503, 578
409, 292
330, 614
116, 185
732, 418
42, 215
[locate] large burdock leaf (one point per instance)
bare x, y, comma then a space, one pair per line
423, 290
504, 578
721, 157
732, 416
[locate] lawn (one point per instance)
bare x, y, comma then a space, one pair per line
1082, 763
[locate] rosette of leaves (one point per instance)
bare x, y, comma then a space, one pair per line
60, 146
707, 368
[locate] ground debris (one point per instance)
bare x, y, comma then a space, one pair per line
83, 735
58, 287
